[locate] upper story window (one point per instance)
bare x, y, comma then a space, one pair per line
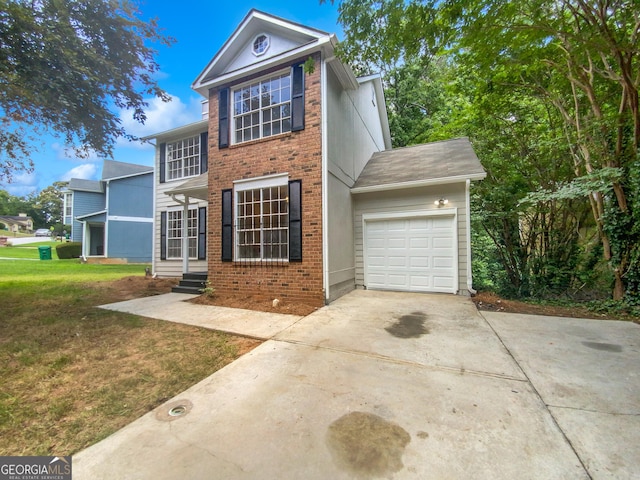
262, 109
183, 158
260, 45
68, 202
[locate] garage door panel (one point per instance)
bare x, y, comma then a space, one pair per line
443, 262
419, 262
415, 254
420, 282
397, 261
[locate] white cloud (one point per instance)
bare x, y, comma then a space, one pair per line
22, 185
161, 116
64, 153
86, 171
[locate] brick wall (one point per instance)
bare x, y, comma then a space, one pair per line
299, 154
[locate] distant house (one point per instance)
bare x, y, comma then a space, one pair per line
289, 186
19, 223
113, 217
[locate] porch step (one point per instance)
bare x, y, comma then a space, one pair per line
192, 283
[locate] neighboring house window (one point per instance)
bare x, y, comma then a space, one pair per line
183, 158
68, 201
262, 109
174, 233
262, 220
260, 45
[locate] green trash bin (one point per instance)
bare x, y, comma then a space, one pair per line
45, 252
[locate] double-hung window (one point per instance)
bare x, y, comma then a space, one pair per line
262, 108
262, 221
68, 202
175, 231
183, 158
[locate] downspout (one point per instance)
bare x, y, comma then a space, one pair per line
325, 179
105, 239
469, 268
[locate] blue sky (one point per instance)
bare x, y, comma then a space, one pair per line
200, 27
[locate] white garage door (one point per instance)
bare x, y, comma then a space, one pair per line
414, 254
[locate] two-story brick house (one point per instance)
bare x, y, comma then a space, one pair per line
267, 179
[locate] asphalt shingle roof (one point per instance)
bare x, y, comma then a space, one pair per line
113, 169
86, 185
427, 162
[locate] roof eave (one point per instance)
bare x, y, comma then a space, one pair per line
419, 183
179, 130
324, 44
89, 215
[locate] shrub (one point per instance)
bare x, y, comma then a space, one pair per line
69, 250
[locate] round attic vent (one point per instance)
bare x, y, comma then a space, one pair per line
260, 44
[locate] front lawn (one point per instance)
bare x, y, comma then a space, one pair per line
27, 251
73, 374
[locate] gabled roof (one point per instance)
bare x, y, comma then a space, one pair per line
288, 40
448, 161
16, 218
112, 169
80, 184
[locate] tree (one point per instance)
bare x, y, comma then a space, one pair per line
64, 64
49, 202
577, 57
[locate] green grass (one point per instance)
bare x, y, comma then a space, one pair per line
28, 251
22, 265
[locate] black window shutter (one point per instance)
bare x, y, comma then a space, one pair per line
163, 164
204, 152
223, 118
295, 221
163, 235
297, 97
202, 233
227, 225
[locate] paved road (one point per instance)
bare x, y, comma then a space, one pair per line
26, 240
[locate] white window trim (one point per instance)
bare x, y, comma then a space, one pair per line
276, 180
240, 86
167, 161
267, 181
181, 210
253, 50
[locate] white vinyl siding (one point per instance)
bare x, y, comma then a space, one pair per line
164, 203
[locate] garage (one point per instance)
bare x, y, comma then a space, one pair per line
415, 253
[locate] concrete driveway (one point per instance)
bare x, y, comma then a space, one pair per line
395, 385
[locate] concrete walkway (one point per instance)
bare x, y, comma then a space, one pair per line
393, 385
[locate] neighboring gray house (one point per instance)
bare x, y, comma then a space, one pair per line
113, 217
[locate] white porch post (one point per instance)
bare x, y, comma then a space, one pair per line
185, 235
85, 239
